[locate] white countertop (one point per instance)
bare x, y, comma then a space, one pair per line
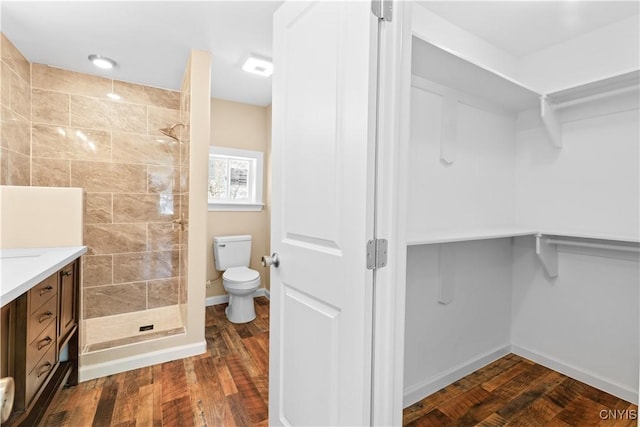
22, 269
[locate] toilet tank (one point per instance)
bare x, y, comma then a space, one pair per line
231, 251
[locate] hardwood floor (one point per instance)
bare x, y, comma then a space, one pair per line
228, 386
513, 391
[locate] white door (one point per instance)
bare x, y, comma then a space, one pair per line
322, 213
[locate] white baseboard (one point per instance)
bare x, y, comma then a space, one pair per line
223, 299
421, 390
618, 390
97, 370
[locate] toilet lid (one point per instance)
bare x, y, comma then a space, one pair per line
240, 274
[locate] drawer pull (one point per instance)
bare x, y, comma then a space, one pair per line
46, 290
45, 316
66, 273
45, 342
47, 367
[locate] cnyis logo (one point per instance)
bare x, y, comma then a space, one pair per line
619, 414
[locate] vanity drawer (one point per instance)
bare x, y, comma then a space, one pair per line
41, 318
40, 346
42, 292
40, 373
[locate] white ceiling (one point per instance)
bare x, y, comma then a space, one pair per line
150, 40
523, 27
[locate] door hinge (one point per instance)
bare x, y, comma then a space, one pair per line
377, 253
383, 9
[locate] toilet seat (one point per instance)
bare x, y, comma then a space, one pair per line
240, 274
241, 278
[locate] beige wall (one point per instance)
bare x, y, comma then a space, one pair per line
247, 127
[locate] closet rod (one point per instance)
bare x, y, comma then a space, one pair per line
595, 97
593, 245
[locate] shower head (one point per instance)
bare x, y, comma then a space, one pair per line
171, 131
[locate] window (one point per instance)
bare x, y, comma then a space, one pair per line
235, 180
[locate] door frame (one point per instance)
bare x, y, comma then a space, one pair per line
391, 205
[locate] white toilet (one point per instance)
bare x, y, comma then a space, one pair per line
232, 255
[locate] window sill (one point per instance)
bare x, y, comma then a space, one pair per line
236, 207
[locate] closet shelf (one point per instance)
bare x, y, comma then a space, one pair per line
486, 233
468, 234
446, 68
440, 66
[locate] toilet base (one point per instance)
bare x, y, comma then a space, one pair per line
241, 309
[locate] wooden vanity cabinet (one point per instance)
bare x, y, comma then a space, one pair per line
68, 301
41, 322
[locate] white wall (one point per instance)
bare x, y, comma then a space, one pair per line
585, 322
604, 52
590, 185
477, 188
441, 340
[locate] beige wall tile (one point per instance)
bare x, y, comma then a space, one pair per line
108, 177
163, 179
50, 107
14, 59
70, 143
59, 80
5, 84
97, 270
15, 133
183, 290
144, 207
161, 118
98, 208
138, 94
162, 292
162, 237
103, 239
15, 168
130, 267
50, 172
135, 148
184, 179
108, 115
20, 96
115, 299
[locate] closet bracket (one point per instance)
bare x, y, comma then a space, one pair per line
550, 121
448, 137
548, 254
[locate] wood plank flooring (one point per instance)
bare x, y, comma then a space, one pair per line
228, 386
514, 391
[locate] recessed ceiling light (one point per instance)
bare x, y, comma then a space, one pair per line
102, 61
114, 96
258, 65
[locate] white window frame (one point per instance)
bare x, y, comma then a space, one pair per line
255, 185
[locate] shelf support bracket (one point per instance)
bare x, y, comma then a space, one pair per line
449, 130
548, 255
550, 121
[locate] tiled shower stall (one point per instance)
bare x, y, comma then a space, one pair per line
62, 128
